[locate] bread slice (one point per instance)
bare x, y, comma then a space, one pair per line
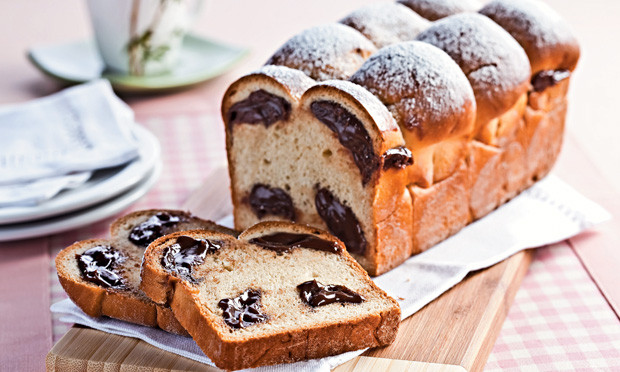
114, 291
271, 323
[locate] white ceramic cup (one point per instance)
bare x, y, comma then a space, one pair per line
141, 37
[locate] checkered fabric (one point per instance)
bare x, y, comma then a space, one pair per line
559, 320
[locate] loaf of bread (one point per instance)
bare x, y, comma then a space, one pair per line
278, 293
102, 277
394, 132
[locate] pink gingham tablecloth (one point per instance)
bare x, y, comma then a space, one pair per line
559, 320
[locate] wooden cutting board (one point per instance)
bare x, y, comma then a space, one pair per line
455, 332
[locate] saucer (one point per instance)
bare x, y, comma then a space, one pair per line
77, 62
81, 217
104, 184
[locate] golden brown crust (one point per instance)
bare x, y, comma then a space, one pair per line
484, 181
168, 322
234, 352
441, 210
546, 127
437, 9
495, 64
545, 36
394, 237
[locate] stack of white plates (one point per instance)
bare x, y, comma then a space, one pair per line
108, 192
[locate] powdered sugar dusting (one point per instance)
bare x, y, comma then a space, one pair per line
492, 60
436, 9
295, 80
386, 23
538, 28
420, 83
331, 51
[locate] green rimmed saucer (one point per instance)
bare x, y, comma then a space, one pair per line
200, 60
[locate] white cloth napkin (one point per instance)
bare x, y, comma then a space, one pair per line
548, 212
50, 139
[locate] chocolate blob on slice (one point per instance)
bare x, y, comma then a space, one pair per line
548, 78
266, 200
261, 107
97, 266
187, 252
244, 310
398, 157
155, 227
316, 294
351, 134
284, 242
341, 221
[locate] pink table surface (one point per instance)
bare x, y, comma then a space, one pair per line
560, 319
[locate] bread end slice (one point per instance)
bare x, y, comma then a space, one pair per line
96, 300
282, 327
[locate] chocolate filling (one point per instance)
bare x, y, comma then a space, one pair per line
243, 311
261, 107
341, 221
97, 266
185, 253
284, 242
266, 200
548, 78
316, 294
155, 227
398, 157
351, 134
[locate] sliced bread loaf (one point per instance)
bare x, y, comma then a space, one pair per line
278, 293
102, 277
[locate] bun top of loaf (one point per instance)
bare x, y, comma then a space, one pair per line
495, 64
436, 9
545, 36
425, 90
331, 51
386, 23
